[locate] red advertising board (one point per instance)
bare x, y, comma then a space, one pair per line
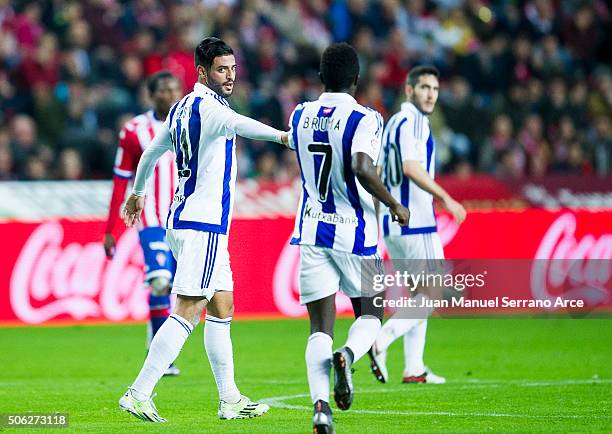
56, 270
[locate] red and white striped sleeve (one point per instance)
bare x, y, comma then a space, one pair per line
126, 160
128, 152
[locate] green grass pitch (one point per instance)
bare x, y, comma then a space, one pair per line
504, 375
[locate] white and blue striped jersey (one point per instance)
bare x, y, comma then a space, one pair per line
201, 130
335, 211
407, 136
206, 162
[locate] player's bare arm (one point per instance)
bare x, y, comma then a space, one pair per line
366, 173
420, 177
376, 209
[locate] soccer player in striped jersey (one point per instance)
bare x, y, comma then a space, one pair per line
164, 90
408, 166
337, 142
201, 129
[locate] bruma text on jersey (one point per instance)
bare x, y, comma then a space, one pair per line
321, 123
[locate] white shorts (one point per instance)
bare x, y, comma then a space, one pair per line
324, 271
202, 262
417, 246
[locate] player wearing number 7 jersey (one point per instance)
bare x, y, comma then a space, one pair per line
337, 141
201, 129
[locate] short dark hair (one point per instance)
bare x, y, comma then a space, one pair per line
339, 66
416, 72
153, 81
210, 48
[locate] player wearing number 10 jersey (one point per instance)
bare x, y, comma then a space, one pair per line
201, 129
337, 141
408, 167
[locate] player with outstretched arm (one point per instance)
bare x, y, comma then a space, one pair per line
201, 129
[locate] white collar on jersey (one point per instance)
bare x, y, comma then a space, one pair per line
336, 97
408, 106
202, 88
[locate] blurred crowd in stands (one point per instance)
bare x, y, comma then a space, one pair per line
526, 85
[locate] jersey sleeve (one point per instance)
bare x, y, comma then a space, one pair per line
128, 153
292, 127
225, 117
159, 146
409, 144
368, 135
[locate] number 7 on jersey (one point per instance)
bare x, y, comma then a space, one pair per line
325, 150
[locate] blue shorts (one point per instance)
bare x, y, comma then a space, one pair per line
158, 258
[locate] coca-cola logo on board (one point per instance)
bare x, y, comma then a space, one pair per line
572, 268
50, 280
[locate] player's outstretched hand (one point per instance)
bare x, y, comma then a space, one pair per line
132, 209
400, 214
109, 245
456, 209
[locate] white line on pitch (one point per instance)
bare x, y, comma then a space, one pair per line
471, 383
278, 403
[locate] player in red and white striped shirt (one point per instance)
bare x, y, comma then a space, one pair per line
134, 138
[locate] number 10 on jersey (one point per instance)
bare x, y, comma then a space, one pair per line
183, 166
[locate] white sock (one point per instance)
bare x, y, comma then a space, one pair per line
414, 346
164, 349
401, 323
318, 365
393, 329
218, 345
361, 335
